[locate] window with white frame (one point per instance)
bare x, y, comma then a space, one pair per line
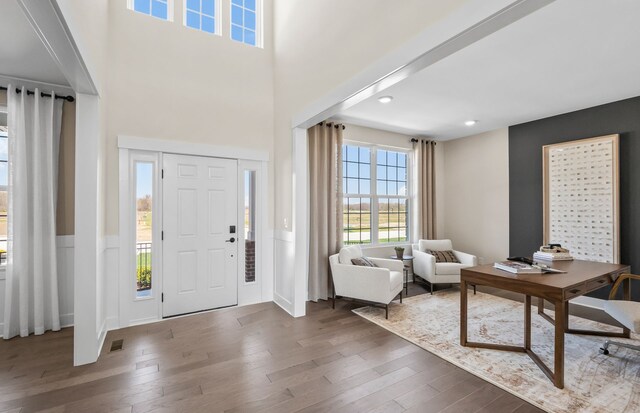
202, 15
246, 21
376, 196
161, 9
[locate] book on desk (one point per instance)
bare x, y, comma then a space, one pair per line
516, 267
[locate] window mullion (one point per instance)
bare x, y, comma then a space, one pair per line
374, 196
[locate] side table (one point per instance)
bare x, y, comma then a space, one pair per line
406, 270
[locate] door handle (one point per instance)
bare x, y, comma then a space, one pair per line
231, 240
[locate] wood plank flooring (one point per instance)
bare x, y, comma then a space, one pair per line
247, 359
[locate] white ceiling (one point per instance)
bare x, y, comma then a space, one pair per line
22, 54
570, 55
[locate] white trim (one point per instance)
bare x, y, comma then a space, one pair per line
48, 22
375, 197
186, 148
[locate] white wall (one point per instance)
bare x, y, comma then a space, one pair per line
476, 194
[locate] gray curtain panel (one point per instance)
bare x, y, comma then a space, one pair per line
426, 195
325, 200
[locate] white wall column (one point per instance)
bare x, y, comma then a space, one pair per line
88, 331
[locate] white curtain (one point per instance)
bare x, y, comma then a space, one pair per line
31, 298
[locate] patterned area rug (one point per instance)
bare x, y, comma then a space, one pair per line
593, 382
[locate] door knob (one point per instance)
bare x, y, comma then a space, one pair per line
232, 240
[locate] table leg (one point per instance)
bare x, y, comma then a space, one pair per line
626, 289
559, 344
540, 305
406, 281
527, 322
463, 313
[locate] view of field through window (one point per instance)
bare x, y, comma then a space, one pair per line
383, 205
144, 233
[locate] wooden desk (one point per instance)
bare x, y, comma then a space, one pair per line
581, 277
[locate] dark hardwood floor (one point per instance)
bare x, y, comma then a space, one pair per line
247, 359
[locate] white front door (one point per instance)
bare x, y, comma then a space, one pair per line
200, 248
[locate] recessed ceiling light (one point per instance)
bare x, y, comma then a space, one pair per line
471, 122
385, 99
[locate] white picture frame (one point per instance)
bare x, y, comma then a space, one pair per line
581, 197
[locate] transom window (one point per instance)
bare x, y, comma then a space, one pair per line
245, 21
160, 9
376, 197
201, 15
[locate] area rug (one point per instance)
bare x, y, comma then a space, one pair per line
593, 382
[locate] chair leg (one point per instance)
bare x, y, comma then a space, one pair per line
400, 297
386, 309
334, 298
474, 289
605, 348
431, 285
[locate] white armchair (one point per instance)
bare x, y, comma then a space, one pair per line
426, 267
378, 285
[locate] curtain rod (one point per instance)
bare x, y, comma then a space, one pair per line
415, 140
330, 124
42, 94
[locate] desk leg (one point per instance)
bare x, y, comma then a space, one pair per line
527, 322
463, 313
558, 373
540, 305
626, 289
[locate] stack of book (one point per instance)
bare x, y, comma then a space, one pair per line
517, 267
552, 254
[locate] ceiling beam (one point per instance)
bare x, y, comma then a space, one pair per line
454, 33
46, 19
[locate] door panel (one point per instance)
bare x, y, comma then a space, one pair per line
199, 206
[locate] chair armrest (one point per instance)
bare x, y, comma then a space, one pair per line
365, 283
466, 259
616, 285
390, 264
424, 264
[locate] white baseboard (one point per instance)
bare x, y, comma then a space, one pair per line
283, 303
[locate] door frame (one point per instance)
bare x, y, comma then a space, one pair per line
142, 311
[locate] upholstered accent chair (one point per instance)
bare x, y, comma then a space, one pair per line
378, 285
426, 267
625, 312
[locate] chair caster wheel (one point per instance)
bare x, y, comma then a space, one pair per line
604, 351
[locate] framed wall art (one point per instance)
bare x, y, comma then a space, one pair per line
581, 197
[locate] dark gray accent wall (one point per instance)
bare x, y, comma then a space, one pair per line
525, 174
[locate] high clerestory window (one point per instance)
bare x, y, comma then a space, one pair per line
161, 9
376, 194
246, 21
202, 15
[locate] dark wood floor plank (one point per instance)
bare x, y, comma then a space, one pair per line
247, 359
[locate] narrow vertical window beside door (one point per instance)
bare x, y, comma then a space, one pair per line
250, 226
4, 175
144, 232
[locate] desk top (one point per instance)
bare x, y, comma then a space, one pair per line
577, 272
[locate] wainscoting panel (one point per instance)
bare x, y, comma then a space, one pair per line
111, 277
284, 274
